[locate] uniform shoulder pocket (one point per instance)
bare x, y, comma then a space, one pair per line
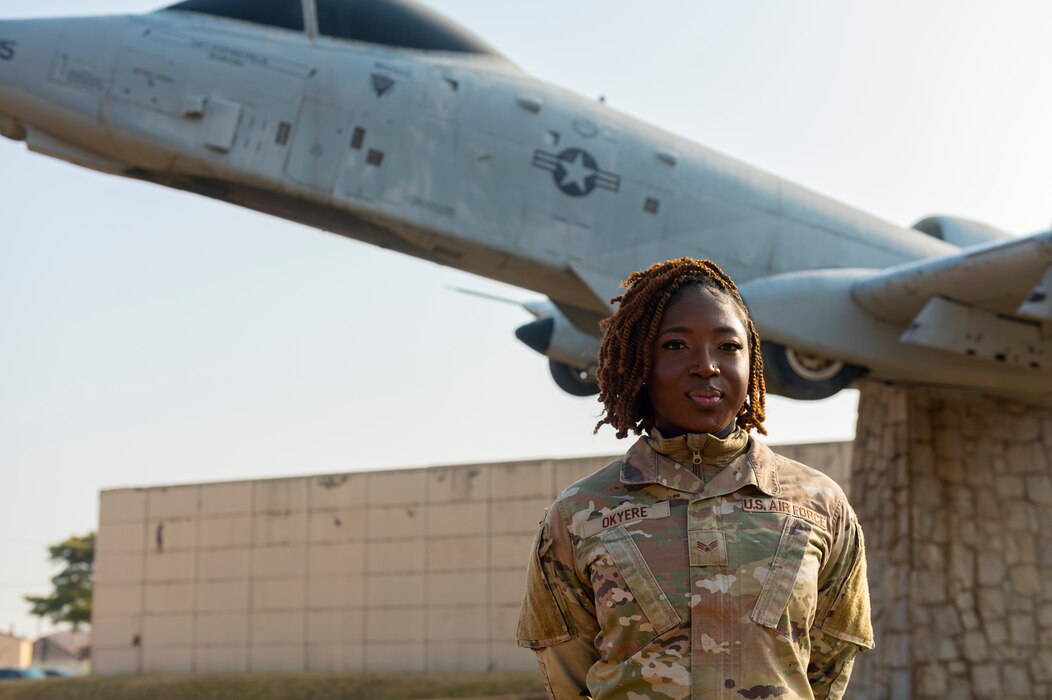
848, 617
542, 621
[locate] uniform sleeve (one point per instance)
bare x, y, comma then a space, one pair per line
842, 625
557, 619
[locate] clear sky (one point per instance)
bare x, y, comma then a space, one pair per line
149, 336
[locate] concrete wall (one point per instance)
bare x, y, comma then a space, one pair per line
832, 458
414, 570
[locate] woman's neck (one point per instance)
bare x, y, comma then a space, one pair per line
670, 431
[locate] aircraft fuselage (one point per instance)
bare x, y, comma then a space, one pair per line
460, 159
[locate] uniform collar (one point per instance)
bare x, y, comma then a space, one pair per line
700, 448
643, 464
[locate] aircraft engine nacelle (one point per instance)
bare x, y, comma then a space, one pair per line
570, 351
960, 232
805, 377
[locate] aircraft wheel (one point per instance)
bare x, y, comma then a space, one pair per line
798, 375
573, 381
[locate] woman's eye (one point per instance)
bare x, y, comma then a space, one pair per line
673, 345
732, 346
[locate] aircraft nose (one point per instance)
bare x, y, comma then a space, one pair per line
15, 42
18, 47
27, 51
8, 53
8, 45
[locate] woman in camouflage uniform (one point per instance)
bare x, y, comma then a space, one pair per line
700, 565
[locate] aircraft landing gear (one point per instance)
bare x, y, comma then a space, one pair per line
573, 381
798, 375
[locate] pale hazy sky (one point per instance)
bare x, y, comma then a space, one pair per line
149, 336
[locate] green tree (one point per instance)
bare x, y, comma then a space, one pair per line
71, 600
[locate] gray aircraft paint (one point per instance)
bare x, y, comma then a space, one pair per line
466, 161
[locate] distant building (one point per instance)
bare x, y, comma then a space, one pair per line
409, 570
15, 651
64, 649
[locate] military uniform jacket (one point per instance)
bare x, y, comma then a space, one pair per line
647, 582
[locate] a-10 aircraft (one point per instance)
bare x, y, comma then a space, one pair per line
384, 122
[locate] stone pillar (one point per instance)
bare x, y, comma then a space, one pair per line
954, 492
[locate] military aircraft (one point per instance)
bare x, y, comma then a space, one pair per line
384, 122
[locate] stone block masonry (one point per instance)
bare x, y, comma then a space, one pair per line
954, 492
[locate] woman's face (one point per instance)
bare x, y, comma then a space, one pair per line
699, 372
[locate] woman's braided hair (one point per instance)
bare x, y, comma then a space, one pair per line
628, 335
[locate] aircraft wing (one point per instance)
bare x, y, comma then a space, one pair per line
980, 318
991, 302
1011, 277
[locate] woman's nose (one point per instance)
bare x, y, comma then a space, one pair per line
705, 365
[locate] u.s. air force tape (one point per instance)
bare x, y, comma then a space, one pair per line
777, 505
627, 513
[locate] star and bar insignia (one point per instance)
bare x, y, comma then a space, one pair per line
576, 172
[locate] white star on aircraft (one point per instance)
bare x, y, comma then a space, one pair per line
575, 172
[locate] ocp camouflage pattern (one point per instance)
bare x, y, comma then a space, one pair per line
646, 582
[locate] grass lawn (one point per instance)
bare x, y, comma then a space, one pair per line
281, 686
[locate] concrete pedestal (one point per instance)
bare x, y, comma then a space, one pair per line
954, 492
